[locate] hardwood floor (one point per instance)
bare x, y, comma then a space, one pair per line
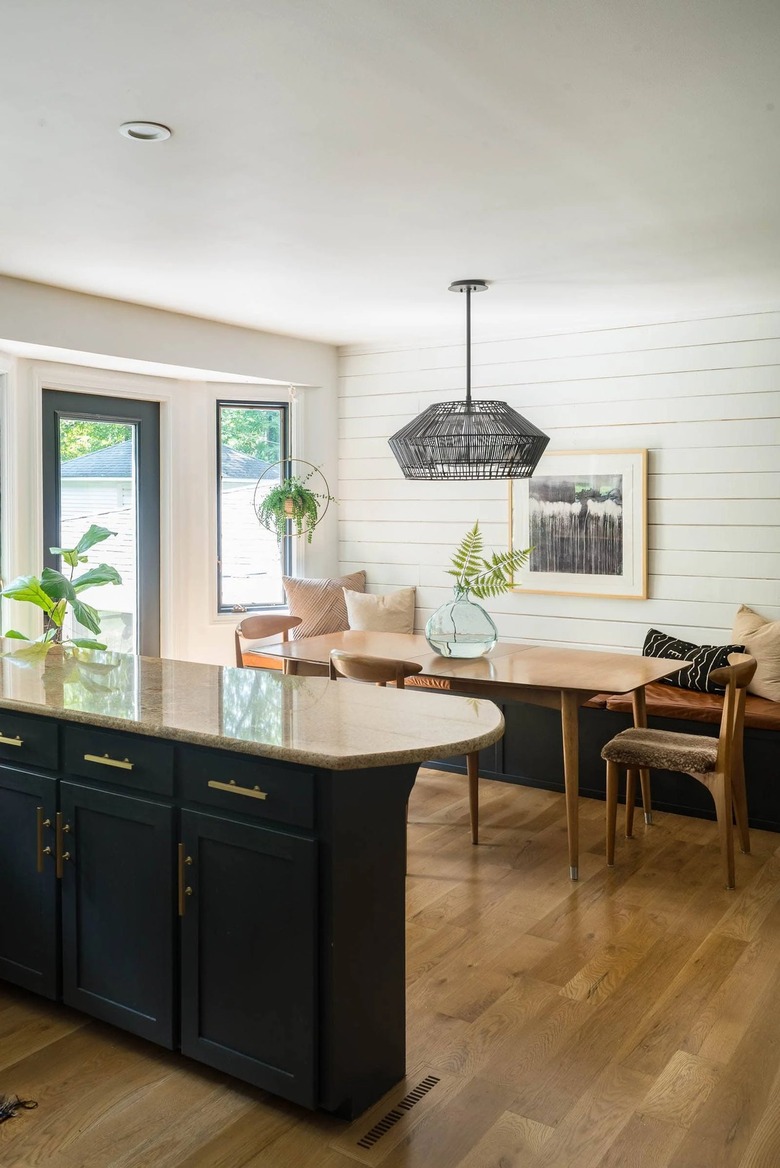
626, 1022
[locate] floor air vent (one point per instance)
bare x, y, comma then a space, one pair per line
395, 1113
374, 1136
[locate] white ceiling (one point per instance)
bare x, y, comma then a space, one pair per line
336, 163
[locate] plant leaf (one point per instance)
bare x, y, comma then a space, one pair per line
467, 557
82, 643
68, 555
86, 615
94, 535
496, 574
102, 574
57, 586
28, 589
13, 635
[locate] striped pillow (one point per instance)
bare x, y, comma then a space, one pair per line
703, 659
320, 603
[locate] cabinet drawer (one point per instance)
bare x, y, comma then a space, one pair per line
28, 741
124, 760
248, 786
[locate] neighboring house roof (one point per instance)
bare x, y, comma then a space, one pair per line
115, 462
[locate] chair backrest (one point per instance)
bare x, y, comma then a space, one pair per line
379, 670
735, 677
263, 624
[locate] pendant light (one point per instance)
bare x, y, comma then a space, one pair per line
468, 439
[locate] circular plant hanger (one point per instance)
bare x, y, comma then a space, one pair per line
291, 497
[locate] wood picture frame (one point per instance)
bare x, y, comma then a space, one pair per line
584, 515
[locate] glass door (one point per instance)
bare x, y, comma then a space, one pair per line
101, 465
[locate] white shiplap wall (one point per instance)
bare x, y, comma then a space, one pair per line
702, 396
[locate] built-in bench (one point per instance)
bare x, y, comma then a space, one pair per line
530, 752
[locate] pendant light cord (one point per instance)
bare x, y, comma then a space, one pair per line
468, 350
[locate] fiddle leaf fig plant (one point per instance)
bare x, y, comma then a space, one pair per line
292, 500
484, 577
54, 592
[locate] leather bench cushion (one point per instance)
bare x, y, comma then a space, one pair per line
667, 701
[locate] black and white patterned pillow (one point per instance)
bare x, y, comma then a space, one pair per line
703, 659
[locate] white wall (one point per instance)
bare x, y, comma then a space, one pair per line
191, 628
702, 396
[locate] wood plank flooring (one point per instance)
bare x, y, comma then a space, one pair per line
628, 1021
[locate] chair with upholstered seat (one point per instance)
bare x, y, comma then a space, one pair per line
384, 670
717, 763
258, 627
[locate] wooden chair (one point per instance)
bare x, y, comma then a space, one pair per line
254, 628
380, 671
715, 762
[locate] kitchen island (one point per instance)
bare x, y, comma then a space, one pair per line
214, 858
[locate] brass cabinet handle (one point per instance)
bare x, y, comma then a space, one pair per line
184, 889
234, 789
11, 741
40, 850
60, 856
104, 760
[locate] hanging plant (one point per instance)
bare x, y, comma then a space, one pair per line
291, 501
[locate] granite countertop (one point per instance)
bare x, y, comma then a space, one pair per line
308, 720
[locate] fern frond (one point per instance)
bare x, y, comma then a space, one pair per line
467, 559
497, 573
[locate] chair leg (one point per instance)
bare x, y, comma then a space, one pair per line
720, 787
613, 777
472, 767
644, 780
630, 802
739, 795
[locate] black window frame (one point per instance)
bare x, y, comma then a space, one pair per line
284, 431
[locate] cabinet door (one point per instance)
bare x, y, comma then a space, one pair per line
28, 918
248, 953
118, 910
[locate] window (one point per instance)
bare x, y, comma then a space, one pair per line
251, 439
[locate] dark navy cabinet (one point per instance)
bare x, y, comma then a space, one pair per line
28, 920
248, 911
249, 953
118, 910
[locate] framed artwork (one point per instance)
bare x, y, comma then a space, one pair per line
584, 514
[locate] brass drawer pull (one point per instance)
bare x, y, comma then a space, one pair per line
41, 851
234, 789
104, 760
11, 741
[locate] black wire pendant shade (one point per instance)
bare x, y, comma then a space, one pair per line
468, 439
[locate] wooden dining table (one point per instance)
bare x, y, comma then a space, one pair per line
562, 679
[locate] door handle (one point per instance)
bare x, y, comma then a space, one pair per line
184, 889
40, 850
61, 829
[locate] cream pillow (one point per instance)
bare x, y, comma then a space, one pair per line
392, 613
320, 603
761, 638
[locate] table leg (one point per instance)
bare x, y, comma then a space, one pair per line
640, 719
571, 775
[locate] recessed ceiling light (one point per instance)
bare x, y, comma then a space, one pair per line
145, 131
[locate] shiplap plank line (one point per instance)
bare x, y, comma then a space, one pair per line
600, 367
359, 359
394, 398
